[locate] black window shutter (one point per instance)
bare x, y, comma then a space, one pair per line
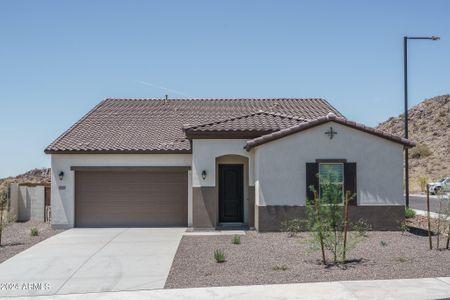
312, 170
350, 181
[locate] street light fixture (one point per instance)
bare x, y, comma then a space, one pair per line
405, 57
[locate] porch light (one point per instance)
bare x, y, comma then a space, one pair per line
61, 175
204, 174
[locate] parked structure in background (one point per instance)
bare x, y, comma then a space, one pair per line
29, 201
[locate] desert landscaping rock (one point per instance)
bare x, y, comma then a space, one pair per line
260, 258
17, 237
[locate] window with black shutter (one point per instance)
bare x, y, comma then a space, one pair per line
338, 171
312, 181
350, 181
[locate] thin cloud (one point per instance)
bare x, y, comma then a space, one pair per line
163, 88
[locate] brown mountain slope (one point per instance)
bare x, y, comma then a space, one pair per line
35, 176
429, 127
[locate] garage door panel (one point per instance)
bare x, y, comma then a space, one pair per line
138, 198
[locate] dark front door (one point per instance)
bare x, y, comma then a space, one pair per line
231, 193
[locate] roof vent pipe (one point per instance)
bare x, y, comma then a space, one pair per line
166, 98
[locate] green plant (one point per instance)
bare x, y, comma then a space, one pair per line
34, 231
293, 226
423, 183
219, 256
442, 224
236, 239
419, 151
280, 268
404, 227
328, 222
409, 213
383, 244
401, 259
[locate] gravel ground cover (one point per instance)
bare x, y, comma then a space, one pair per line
17, 237
421, 222
271, 258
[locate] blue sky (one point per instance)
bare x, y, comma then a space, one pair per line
59, 58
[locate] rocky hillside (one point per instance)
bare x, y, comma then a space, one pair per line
429, 127
32, 176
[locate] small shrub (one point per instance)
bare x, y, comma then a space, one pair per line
420, 151
236, 239
383, 244
219, 256
34, 231
423, 183
409, 213
280, 268
328, 224
404, 227
293, 226
401, 259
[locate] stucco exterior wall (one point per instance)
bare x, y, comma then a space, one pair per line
37, 203
207, 155
280, 171
63, 196
30, 202
205, 152
14, 200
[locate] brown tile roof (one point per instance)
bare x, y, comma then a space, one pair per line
260, 122
321, 120
155, 125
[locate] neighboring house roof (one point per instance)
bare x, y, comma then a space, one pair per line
321, 120
247, 126
156, 125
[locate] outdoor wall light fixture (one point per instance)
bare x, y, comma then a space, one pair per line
204, 174
61, 175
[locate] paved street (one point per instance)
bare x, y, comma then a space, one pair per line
420, 202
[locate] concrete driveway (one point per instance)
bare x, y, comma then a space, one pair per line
92, 260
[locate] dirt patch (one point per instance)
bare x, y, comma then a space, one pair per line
271, 258
17, 237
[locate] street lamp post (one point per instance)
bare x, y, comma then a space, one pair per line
405, 57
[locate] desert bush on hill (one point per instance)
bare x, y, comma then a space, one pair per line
420, 151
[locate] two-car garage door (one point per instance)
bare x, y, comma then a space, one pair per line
125, 198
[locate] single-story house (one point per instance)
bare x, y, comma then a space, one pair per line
219, 163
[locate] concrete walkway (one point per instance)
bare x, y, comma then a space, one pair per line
425, 214
408, 289
92, 260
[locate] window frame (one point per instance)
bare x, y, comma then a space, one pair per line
332, 162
